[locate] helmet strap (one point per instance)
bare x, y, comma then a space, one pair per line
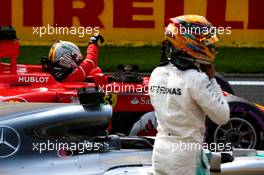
179, 59
163, 51
184, 63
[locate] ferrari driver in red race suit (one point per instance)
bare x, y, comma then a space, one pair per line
183, 91
66, 61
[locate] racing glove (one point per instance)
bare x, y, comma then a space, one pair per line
94, 39
92, 50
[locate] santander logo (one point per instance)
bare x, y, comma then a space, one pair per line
141, 101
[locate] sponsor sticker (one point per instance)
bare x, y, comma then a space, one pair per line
111, 98
141, 101
32, 79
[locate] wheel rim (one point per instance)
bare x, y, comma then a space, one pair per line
239, 132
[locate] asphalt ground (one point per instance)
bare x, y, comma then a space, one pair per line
250, 86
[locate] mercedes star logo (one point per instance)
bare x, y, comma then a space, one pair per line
9, 141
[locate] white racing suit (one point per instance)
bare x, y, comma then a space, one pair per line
181, 100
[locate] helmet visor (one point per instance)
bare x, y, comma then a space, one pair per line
67, 61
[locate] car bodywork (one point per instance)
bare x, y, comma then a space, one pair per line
23, 125
126, 91
63, 123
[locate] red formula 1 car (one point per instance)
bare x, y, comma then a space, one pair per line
126, 90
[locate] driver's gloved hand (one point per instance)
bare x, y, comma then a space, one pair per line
94, 39
92, 49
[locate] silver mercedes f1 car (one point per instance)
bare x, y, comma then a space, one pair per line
72, 139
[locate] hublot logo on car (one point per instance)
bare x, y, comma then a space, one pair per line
31, 79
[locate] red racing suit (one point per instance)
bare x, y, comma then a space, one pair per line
89, 63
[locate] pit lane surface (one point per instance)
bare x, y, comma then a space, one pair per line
250, 87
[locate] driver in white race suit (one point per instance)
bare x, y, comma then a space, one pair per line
183, 91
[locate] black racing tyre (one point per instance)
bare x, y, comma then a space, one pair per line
245, 128
225, 86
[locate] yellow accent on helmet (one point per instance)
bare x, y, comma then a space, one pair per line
53, 51
194, 35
